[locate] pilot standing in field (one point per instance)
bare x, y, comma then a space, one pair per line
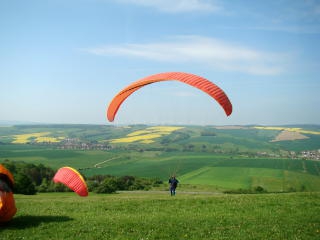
173, 185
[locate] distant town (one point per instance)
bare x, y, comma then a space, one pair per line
77, 144
314, 155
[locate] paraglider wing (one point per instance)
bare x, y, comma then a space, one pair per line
196, 81
7, 203
7, 206
72, 179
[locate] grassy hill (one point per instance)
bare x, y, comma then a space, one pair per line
154, 215
220, 158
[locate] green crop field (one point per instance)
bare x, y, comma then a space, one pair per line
156, 215
222, 158
219, 171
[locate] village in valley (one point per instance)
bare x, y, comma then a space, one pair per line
312, 155
253, 142
77, 144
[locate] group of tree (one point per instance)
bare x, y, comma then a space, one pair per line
28, 177
31, 178
111, 184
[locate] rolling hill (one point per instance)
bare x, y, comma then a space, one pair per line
219, 157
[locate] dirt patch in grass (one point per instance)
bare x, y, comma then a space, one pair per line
289, 136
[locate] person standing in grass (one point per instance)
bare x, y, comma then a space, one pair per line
173, 185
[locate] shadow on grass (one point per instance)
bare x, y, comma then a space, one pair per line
21, 222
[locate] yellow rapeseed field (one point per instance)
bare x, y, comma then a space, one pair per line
147, 135
299, 130
37, 137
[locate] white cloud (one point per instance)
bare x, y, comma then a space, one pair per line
293, 16
175, 6
203, 51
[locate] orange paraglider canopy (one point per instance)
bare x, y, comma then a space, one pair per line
196, 81
7, 204
72, 179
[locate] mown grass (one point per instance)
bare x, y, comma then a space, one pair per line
149, 215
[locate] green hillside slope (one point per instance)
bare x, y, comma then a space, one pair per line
229, 157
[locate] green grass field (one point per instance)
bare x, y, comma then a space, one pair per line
273, 180
156, 215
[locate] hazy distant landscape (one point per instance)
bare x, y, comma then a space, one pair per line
217, 158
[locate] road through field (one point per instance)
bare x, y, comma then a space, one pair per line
108, 160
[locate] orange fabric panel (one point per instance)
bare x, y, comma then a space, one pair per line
7, 206
7, 203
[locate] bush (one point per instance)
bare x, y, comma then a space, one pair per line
259, 189
30, 178
109, 185
24, 185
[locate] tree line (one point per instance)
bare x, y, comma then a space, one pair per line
32, 178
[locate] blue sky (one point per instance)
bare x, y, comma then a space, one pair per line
62, 61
